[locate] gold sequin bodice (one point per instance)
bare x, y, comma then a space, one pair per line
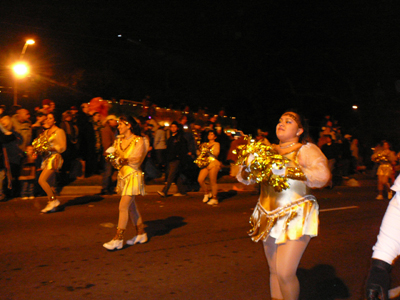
126, 153
271, 199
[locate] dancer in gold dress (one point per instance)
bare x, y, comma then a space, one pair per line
127, 155
50, 144
286, 215
210, 166
385, 158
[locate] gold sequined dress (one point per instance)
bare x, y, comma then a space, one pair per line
385, 159
57, 144
130, 176
292, 212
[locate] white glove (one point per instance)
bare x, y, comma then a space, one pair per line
277, 171
250, 158
110, 150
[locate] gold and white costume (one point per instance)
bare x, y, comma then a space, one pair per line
290, 213
50, 147
208, 157
385, 159
130, 176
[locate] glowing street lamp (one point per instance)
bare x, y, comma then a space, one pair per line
28, 42
20, 69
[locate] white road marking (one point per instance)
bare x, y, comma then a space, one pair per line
338, 208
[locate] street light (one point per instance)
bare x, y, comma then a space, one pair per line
20, 69
28, 42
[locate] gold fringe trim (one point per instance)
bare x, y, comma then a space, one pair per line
263, 221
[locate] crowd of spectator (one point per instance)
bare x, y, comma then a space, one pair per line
340, 149
91, 130
346, 156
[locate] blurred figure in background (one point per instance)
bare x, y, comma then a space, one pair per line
108, 134
28, 174
37, 127
160, 147
177, 150
97, 163
210, 151
87, 141
330, 150
6, 136
385, 158
224, 143
22, 124
71, 154
55, 137
355, 162
262, 137
14, 157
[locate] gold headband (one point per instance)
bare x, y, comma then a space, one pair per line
294, 117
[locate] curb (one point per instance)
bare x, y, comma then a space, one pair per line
152, 189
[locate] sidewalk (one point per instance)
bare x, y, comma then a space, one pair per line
92, 185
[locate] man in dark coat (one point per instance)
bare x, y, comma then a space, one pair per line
5, 137
177, 150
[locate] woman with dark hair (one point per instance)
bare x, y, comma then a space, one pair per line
127, 155
177, 150
385, 158
286, 215
210, 166
50, 144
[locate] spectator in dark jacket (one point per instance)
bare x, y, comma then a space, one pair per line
177, 150
14, 156
87, 140
6, 136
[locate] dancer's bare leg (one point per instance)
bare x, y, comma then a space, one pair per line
136, 218
201, 179
43, 182
213, 175
124, 205
283, 260
270, 252
383, 181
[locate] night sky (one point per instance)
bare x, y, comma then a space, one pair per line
255, 58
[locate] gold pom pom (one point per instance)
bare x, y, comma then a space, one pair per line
265, 158
204, 159
42, 146
113, 159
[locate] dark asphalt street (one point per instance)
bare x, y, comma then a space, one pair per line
194, 252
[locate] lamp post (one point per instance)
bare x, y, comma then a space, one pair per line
28, 42
20, 69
